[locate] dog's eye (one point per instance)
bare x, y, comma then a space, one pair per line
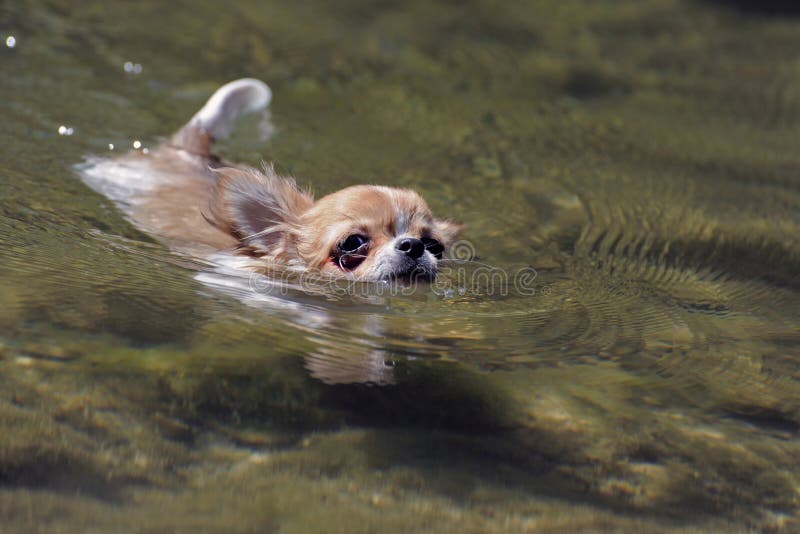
352, 243
433, 246
348, 254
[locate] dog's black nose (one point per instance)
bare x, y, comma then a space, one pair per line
413, 248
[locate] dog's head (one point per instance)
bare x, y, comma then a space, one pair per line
363, 232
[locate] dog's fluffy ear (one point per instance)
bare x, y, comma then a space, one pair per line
260, 208
447, 231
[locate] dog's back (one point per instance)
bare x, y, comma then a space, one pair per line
167, 190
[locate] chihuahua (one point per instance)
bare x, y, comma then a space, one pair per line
186, 196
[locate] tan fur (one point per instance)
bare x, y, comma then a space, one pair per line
186, 196
272, 218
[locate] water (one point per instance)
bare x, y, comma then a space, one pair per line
639, 157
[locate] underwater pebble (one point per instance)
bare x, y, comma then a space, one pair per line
258, 458
244, 466
48, 352
141, 460
65, 130
137, 144
11, 41
25, 361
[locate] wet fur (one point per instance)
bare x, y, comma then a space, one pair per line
189, 198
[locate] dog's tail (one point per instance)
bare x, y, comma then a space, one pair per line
216, 118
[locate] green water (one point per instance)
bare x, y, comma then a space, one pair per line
640, 156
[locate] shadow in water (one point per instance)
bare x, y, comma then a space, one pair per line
764, 7
447, 430
64, 474
432, 395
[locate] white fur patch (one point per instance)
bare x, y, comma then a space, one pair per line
121, 179
401, 221
229, 102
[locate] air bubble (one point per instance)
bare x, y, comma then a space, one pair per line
132, 68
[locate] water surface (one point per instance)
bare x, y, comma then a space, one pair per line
639, 157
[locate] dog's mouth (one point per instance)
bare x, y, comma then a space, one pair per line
413, 275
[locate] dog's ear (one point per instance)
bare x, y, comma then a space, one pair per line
447, 231
258, 207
